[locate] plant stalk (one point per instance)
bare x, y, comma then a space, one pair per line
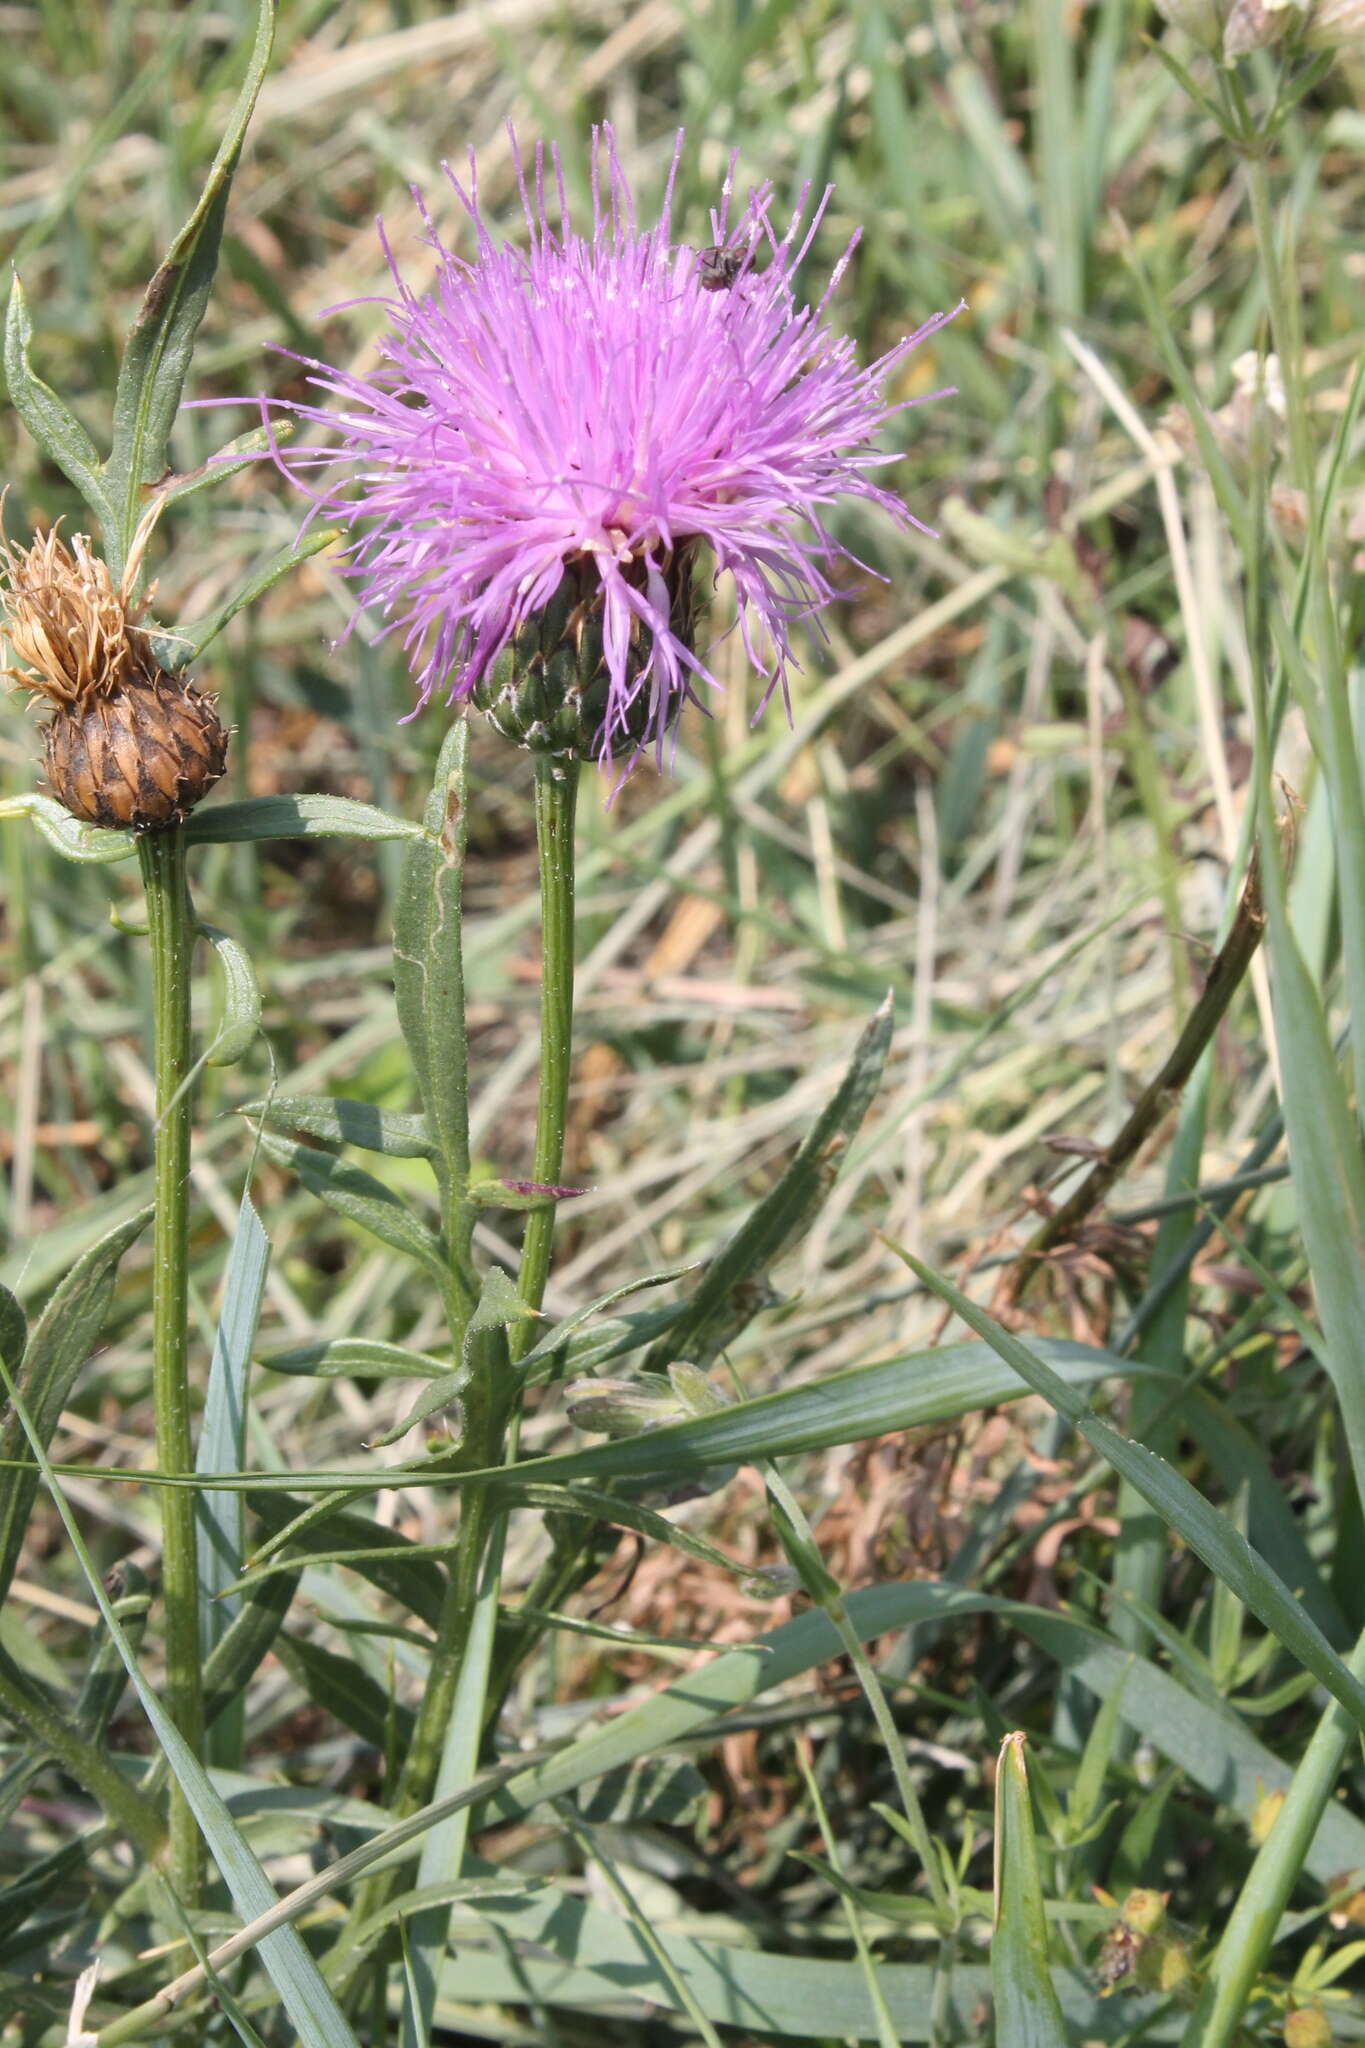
556, 807
171, 932
490, 1402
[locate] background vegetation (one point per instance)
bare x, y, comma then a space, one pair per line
1012, 791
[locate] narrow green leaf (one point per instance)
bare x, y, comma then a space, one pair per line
1209, 1534
239, 1650
361, 1199
1027, 2014
608, 1507
53, 426
572, 1952
293, 817
843, 1408
220, 1517
340, 1120
90, 844
521, 1195
178, 648
428, 967
13, 1331
240, 1022
62, 1340
242, 452
438, 1396
664, 1790
416, 1583
554, 1341
1327, 1162
344, 1688
359, 1357
156, 357
726, 1297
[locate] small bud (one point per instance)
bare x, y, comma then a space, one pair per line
1336, 25
551, 690
1200, 20
621, 1407
1306, 2027
1144, 1911
128, 744
1264, 1813
698, 1394
1256, 24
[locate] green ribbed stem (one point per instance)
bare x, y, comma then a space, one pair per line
556, 807
162, 855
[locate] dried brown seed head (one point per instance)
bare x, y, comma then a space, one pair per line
75, 636
128, 744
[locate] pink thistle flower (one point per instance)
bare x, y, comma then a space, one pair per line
574, 421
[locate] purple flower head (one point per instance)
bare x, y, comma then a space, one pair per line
586, 414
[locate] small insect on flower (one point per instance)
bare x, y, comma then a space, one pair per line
128, 743
717, 269
559, 434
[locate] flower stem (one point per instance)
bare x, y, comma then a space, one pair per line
490, 1400
162, 855
556, 804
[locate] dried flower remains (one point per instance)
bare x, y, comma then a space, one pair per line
557, 434
128, 743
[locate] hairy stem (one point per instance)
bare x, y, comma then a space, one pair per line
162, 855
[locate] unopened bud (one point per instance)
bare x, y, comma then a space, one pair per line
1336, 25
1306, 2027
621, 1407
1256, 24
128, 744
1144, 1911
550, 690
698, 1394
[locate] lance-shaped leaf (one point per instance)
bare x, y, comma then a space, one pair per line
75, 841
428, 965
62, 1340
361, 1199
361, 1357
570, 1346
156, 357
52, 424
240, 1022
339, 1120
176, 649
517, 1194
1027, 2013
220, 1518
733, 1287
438, 1397
293, 817
344, 1688
232, 458
417, 1583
